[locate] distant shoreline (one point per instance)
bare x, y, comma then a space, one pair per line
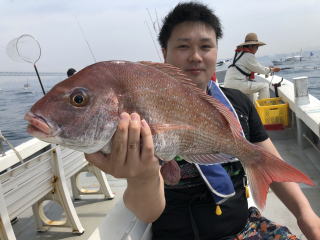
32, 74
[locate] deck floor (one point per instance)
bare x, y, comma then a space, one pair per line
93, 209
308, 161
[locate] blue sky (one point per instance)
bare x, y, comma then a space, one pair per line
118, 29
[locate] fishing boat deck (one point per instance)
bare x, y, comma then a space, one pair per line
306, 160
93, 209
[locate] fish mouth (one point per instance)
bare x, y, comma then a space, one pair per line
39, 127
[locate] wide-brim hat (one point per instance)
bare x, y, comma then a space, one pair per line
252, 39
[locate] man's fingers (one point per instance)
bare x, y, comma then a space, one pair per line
134, 139
99, 160
120, 140
147, 151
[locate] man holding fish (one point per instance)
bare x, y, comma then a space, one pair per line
192, 46
186, 119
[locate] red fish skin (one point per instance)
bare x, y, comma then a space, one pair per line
185, 121
171, 172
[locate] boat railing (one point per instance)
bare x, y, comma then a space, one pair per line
305, 115
40, 177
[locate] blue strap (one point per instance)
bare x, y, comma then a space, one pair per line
218, 181
215, 176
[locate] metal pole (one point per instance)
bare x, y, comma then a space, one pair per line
301, 129
35, 68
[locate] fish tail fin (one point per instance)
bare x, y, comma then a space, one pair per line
267, 169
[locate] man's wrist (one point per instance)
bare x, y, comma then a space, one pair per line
148, 178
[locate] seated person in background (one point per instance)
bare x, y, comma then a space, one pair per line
240, 73
71, 71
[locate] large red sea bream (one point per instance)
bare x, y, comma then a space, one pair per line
82, 113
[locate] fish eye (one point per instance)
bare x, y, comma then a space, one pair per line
79, 98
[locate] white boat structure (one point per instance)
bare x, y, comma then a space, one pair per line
221, 68
91, 205
26, 86
224, 61
223, 64
287, 60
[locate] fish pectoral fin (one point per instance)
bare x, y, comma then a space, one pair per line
161, 128
208, 159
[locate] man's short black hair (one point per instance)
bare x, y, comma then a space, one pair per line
188, 11
70, 72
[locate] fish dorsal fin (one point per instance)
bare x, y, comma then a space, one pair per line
171, 70
228, 115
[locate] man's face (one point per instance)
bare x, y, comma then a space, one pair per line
254, 48
192, 47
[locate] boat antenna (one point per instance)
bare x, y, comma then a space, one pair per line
27, 49
85, 39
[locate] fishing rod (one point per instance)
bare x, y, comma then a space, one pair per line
154, 44
301, 67
154, 22
155, 30
86, 40
157, 20
2, 151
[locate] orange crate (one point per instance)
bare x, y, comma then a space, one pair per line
273, 111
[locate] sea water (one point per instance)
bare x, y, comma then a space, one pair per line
309, 67
15, 100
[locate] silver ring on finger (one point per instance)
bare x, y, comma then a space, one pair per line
134, 146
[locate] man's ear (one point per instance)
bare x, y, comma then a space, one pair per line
164, 54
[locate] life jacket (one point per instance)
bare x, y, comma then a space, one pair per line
214, 77
238, 54
215, 176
